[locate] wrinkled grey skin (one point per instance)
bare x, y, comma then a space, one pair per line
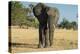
48, 18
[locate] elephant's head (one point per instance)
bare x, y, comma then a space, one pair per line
37, 10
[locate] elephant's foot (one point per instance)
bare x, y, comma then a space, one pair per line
51, 44
40, 46
46, 46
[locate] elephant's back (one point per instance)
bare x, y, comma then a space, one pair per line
52, 11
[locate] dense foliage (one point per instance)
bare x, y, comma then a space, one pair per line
20, 15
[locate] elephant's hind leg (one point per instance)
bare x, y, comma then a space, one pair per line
51, 30
51, 37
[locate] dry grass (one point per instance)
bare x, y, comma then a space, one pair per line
26, 40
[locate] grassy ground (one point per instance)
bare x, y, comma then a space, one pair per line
26, 40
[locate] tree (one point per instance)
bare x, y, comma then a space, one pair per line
18, 14
64, 23
68, 25
74, 25
21, 15
15, 12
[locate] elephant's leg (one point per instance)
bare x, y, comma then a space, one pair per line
41, 37
51, 34
46, 33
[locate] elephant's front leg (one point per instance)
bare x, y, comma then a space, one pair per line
41, 37
46, 33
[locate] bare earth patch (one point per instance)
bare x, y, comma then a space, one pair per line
26, 40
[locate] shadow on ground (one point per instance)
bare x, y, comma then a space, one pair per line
23, 45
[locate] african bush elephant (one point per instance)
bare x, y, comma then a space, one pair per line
48, 18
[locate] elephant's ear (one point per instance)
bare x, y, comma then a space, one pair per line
35, 14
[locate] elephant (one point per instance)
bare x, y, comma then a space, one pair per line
48, 18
